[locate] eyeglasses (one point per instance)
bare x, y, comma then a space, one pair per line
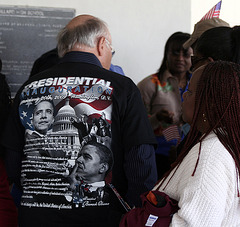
185, 53
110, 46
196, 59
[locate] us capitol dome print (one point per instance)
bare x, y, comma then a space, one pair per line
64, 135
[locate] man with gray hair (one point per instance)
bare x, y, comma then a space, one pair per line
88, 34
83, 78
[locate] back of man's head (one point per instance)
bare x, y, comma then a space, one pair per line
84, 31
201, 27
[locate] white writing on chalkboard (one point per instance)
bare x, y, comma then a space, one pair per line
25, 34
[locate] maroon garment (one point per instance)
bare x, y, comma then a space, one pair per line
8, 211
162, 214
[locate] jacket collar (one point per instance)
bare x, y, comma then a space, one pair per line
79, 56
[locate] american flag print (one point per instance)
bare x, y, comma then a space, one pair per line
214, 12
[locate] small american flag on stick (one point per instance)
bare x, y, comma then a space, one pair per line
214, 12
171, 133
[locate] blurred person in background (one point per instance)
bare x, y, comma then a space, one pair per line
162, 94
8, 211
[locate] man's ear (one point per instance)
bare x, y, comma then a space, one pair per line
101, 46
103, 168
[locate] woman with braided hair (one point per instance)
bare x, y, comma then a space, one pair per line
218, 43
205, 177
8, 212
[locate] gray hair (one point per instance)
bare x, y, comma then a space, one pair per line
86, 34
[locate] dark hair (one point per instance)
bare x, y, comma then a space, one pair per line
178, 38
220, 43
218, 97
49, 101
104, 153
5, 100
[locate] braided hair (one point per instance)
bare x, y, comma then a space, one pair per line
218, 97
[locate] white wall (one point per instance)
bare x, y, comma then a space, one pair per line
140, 28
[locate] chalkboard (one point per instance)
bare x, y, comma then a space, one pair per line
25, 34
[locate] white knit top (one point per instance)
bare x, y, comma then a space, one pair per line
209, 198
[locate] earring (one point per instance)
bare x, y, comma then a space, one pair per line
204, 118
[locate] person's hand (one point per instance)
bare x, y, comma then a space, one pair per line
166, 116
72, 178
